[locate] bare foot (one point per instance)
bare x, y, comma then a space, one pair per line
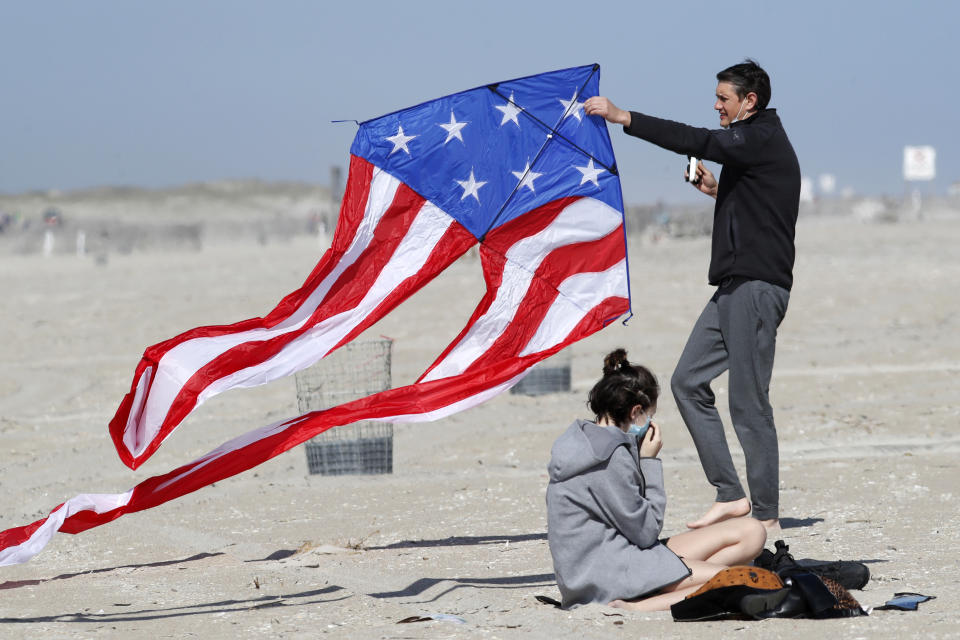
660, 602
772, 526
635, 605
721, 511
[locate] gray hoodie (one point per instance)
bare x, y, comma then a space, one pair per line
605, 510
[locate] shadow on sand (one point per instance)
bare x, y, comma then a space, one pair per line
460, 541
454, 541
16, 584
223, 606
423, 584
796, 523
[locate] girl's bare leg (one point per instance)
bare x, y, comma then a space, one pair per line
700, 572
731, 542
705, 551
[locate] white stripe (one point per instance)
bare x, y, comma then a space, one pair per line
180, 363
427, 229
98, 502
582, 221
130, 432
579, 294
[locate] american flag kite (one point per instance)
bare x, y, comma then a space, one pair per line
514, 166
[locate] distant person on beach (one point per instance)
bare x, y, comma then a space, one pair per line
606, 501
751, 264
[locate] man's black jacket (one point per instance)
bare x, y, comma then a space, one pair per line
758, 196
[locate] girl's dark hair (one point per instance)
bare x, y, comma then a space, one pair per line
622, 387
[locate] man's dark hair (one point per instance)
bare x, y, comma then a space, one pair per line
748, 77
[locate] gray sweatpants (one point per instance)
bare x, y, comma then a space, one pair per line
737, 331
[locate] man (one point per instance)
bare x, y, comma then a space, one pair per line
751, 264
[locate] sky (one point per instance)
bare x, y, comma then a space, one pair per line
153, 94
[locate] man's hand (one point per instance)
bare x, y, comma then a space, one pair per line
706, 182
600, 106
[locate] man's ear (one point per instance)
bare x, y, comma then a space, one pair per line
751, 101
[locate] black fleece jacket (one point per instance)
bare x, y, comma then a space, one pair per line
758, 197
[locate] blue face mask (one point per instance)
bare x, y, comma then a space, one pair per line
639, 430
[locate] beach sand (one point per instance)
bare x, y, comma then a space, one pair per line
865, 394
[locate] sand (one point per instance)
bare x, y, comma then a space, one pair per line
864, 391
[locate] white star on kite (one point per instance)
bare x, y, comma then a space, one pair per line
453, 128
510, 111
590, 173
471, 186
577, 109
526, 177
400, 141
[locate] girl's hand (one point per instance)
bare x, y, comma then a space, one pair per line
651, 444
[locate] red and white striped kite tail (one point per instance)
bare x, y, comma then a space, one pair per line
553, 278
389, 242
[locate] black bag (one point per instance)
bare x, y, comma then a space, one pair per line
847, 573
805, 596
753, 593
720, 597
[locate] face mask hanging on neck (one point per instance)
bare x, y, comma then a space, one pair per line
739, 111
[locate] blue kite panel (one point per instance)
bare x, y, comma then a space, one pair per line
490, 154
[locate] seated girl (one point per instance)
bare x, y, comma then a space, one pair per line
605, 506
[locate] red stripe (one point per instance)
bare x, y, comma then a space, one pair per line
531, 223
493, 274
347, 292
344, 295
18, 535
606, 311
356, 280
453, 244
493, 258
352, 211
563, 262
593, 256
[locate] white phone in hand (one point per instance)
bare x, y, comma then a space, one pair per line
692, 171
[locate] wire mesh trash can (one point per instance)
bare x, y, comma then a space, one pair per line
550, 376
353, 371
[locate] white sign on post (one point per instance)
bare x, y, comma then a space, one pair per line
919, 163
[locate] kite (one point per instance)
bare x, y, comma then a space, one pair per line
515, 167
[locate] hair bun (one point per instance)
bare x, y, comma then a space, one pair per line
615, 362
